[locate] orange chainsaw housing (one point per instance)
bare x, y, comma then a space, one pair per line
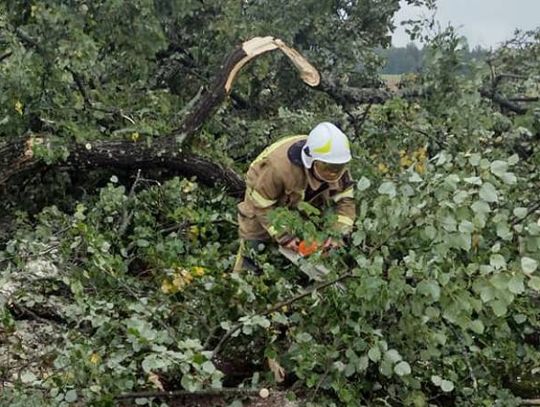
305, 248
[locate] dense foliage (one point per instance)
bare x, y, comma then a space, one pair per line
115, 282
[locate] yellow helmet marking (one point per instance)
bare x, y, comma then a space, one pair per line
324, 149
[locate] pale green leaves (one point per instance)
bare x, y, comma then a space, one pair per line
481, 207
388, 188
528, 265
429, 288
208, 367
534, 283
71, 396
363, 184
374, 354
28, 377
474, 159
520, 212
499, 308
499, 168
488, 193
497, 261
445, 385
402, 369
477, 326
515, 285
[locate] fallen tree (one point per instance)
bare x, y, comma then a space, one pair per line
171, 151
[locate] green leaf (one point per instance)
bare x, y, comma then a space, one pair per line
513, 159
208, 367
402, 369
516, 285
473, 180
189, 383
499, 308
374, 354
520, 212
497, 261
28, 377
388, 188
429, 287
363, 184
477, 326
534, 283
520, 318
499, 167
466, 227
304, 337
528, 265
143, 243
415, 178
481, 207
447, 386
308, 209
71, 396
509, 178
260, 321
488, 192
392, 355
460, 196
474, 159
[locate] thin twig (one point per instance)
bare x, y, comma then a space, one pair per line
184, 393
5, 55
319, 287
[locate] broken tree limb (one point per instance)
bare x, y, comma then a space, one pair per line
503, 102
222, 85
131, 155
17, 158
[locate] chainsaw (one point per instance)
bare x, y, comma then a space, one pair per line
316, 272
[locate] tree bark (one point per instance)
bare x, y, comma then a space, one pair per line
131, 155
17, 159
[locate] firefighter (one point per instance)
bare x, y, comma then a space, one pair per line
310, 168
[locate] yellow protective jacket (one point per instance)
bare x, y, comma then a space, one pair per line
278, 178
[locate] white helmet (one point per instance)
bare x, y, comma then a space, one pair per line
326, 143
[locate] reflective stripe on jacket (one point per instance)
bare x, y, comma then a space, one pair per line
277, 178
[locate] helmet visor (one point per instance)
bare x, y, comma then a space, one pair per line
327, 171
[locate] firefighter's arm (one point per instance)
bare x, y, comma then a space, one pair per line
264, 196
345, 209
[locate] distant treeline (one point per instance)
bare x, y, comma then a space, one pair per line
411, 58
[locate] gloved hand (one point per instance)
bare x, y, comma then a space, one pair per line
331, 244
289, 242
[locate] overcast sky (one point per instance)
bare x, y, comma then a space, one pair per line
483, 22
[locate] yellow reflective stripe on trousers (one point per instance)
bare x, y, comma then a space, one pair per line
259, 200
345, 220
274, 146
348, 193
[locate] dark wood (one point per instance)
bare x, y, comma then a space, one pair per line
139, 155
16, 160
209, 100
